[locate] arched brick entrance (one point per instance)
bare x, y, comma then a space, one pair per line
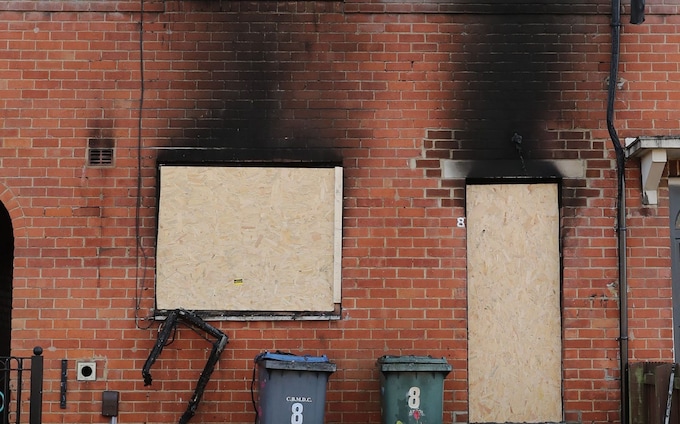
6, 272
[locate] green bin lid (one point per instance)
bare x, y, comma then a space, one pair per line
413, 363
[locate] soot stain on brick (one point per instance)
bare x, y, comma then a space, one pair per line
508, 79
257, 107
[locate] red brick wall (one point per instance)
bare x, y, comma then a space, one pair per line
391, 89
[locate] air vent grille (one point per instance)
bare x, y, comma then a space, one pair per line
100, 153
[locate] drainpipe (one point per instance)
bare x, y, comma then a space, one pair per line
621, 209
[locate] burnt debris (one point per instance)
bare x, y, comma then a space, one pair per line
194, 321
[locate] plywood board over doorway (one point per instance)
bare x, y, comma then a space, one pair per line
514, 303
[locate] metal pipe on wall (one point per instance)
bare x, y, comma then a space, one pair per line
621, 208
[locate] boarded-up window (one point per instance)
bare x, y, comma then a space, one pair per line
249, 239
514, 303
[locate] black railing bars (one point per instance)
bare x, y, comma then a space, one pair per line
15, 398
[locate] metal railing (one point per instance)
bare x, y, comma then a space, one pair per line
16, 399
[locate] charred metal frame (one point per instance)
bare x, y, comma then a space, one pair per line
169, 325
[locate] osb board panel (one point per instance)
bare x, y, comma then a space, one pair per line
514, 303
248, 238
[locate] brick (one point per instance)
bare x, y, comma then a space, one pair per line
394, 93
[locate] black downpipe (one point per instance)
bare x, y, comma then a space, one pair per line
621, 208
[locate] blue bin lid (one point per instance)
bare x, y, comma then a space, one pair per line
289, 357
287, 361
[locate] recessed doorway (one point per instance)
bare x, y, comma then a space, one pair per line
6, 273
514, 319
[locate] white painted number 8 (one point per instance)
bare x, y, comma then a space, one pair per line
414, 397
296, 417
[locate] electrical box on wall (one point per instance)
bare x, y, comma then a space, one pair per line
110, 403
86, 371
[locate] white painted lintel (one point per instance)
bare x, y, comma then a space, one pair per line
558, 168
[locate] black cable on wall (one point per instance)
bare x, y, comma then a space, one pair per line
141, 258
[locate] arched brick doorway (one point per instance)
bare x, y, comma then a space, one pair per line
6, 271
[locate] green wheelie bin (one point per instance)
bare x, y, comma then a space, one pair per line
412, 389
